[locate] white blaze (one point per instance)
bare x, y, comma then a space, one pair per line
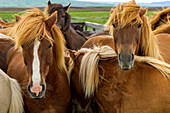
36, 64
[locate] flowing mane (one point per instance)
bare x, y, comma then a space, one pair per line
127, 14
165, 28
89, 68
6, 24
158, 18
32, 27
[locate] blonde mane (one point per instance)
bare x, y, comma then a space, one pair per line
165, 28
32, 27
6, 24
89, 68
157, 16
125, 14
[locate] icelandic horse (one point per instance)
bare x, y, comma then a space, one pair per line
37, 63
98, 85
132, 35
10, 95
74, 39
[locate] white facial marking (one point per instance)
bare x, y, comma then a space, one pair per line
36, 64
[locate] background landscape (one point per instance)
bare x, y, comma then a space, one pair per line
75, 3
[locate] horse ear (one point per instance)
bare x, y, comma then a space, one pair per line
51, 20
67, 7
111, 11
143, 11
49, 2
17, 18
72, 55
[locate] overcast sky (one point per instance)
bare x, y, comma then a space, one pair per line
141, 1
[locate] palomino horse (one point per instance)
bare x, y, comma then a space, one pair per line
10, 95
74, 40
160, 18
98, 85
133, 35
6, 31
37, 62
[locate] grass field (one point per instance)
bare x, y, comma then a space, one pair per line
77, 16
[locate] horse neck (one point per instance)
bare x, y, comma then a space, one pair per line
73, 39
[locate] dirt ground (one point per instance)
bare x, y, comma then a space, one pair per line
72, 8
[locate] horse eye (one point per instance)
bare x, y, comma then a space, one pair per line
50, 46
114, 25
139, 25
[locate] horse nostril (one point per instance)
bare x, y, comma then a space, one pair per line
43, 86
132, 56
119, 56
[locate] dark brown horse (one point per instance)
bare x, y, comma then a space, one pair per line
98, 85
74, 40
37, 63
6, 43
132, 34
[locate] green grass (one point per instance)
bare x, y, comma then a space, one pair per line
77, 16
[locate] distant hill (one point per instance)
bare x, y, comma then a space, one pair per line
43, 3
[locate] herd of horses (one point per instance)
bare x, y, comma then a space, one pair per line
49, 67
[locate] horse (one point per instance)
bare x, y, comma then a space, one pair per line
6, 43
132, 34
10, 95
74, 40
98, 85
8, 25
161, 18
37, 63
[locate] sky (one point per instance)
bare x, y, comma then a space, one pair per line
139, 1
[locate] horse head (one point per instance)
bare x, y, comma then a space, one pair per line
126, 27
36, 42
62, 15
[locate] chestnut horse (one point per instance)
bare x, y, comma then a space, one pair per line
98, 85
133, 35
10, 95
74, 40
37, 62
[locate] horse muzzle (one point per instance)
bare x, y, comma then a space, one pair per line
126, 61
37, 91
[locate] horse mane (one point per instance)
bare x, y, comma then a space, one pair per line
165, 28
89, 68
32, 27
127, 14
157, 17
6, 24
